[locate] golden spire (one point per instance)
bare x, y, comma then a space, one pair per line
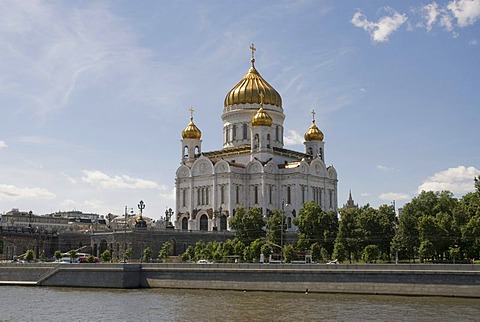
191, 131
262, 118
313, 133
248, 90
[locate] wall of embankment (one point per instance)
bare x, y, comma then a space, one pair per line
404, 279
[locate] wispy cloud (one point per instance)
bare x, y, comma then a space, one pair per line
14, 192
458, 180
3, 145
385, 169
102, 180
381, 30
293, 138
394, 196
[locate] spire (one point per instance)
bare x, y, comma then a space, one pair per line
191, 131
252, 47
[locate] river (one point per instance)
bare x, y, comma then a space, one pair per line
61, 304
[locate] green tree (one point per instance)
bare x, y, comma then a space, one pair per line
471, 237
316, 251
316, 226
42, 256
188, 254
348, 236
201, 251
165, 251
426, 250
91, 259
253, 251
288, 253
58, 255
339, 252
147, 255
248, 225
266, 250
106, 256
371, 253
274, 224
127, 254
73, 255
29, 255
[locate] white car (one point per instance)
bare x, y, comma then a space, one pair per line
203, 261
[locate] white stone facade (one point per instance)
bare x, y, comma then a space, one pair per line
253, 169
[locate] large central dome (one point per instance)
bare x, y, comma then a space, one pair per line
249, 88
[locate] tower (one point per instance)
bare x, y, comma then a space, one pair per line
191, 143
314, 141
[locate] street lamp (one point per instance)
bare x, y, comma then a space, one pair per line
168, 214
395, 226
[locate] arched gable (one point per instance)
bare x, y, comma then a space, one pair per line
254, 167
332, 173
183, 172
271, 167
222, 166
317, 168
202, 166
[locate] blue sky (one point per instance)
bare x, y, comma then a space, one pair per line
94, 94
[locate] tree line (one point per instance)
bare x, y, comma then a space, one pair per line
434, 226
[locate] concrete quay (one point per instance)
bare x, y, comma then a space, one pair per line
459, 280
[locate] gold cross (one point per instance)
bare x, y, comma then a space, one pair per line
191, 112
252, 47
313, 115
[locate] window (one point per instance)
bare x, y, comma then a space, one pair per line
237, 194
268, 141
197, 152
255, 194
255, 143
184, 197
185, 152
227, 133
223, 222
310, 151
289, 195
270, 194
204, 222
330, 197
222, 194
234, 132
245, 131
184, 223
303, 194
320, 153
199, 196
276, 134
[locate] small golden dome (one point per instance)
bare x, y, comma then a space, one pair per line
313, 133
191, 131
262, 118
249, 88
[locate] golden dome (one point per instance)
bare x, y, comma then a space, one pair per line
249, 88
191, 131
262, 118
313, 133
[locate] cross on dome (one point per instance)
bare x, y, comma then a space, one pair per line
252, 47
313, 115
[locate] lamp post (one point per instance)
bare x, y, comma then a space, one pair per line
168, 214
395, 226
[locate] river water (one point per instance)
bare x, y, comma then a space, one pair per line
66, 304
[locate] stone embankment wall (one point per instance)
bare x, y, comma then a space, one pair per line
430, 280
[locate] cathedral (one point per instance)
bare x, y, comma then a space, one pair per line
252, 169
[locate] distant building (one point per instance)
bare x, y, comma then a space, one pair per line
253, 169
350, 203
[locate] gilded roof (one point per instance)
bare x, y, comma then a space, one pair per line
313, 133
249, 88
191, 131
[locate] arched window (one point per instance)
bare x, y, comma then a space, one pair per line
184, 197
185, 152
227, 134
197, 152
289, 195
320, 153
310, 151
237, 194
277, 134
255, 144
255, 192
234, 132
223, 222
268, 141
245, 131
184, 223
204, 222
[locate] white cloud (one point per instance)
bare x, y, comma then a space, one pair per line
381, 30
97, 178
473, 42
386, 169
3, 145
431, 12
365, 194
293, 138
13, 192
49, 50
394, 196
466, 12
458, 180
